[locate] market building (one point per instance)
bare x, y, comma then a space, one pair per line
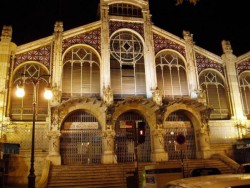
118, 70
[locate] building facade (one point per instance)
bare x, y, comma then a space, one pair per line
115, 71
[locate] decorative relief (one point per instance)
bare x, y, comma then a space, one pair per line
138, 27
161, 43
157, 96
6, 32
243, 66
108, 95
92, 38
41, 55
204, 63
226, 46
55, 120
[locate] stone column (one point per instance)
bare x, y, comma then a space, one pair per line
108, 154
191, 65
57, 64
158, 154
6, 52
203, 144
54, 147
54, 137
234, 92
149, 57
202, 135
105, 64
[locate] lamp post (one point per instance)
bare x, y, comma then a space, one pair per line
48, 95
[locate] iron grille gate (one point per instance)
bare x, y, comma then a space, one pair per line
124, 147
81, 147
81, 141
170, 146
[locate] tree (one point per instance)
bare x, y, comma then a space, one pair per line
178, 2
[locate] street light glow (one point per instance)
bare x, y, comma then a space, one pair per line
20, 91
48, 93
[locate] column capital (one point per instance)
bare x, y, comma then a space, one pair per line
53, 134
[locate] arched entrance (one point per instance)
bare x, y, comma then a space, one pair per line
124, 146
81, 141
178, 123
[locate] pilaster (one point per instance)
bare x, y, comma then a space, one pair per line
230, 59
6, 51
54, 147
149, 57
54, 137
108, 155
105, 65
191, 65
158, 153
57, 63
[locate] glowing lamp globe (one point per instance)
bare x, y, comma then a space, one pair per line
48, 94
20, 92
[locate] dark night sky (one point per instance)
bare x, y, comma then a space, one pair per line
210, 21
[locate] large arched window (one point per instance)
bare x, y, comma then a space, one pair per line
216, 94
245, 91
171, 74
22, 108
81, 73
127, 65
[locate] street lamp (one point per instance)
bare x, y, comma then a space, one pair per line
34, 80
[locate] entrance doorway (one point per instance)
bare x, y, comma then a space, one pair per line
81, 141
178, 123
124, 146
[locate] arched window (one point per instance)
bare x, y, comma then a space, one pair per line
171, 74
81, 73
216, 95
245, 91
127, 10
22, 108
127, 65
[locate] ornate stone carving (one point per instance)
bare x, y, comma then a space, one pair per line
226, 46
108, 95
202, 96
188, 36
109, 112
157, 97
55, 120
108, 146
6, 33
160, 115
58, 27
205, 115
56, 96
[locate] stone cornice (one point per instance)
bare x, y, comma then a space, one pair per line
182, 42
81, 29
208, 54
243, 57
168, 35
48, 40
34, 45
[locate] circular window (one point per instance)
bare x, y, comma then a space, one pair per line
126, 47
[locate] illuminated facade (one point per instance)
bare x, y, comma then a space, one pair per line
122, 68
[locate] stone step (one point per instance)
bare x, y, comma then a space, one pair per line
115, 175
